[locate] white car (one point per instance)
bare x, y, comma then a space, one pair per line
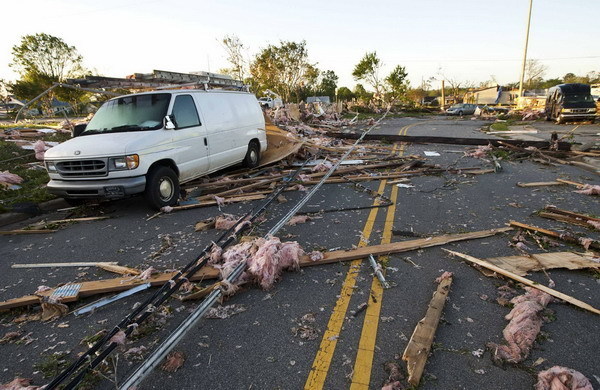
151, 142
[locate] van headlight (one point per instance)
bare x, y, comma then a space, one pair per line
592, 110
125, 162
50, 166
566, 110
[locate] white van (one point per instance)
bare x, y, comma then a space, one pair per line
151, 142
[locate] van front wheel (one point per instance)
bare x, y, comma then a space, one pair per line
162, 187
252, 155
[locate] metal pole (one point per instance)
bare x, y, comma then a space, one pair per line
443, 102
525, 51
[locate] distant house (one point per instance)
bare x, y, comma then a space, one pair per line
430, 101
490, 95
58, 106
318, 99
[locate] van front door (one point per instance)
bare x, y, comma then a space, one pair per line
189, 139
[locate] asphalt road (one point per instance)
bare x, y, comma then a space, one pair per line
258, 348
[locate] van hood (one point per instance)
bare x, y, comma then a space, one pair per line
107, 145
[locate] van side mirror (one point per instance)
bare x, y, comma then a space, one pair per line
78, 129
168, 122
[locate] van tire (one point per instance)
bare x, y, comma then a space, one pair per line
460, 113
252, 158
162, 187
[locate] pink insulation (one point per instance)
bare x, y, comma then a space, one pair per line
119, 338
220, 201
19, 384
315, 256
523, 328
480, 152
39, 147
296, 219
225, 221
266, 259
586, 242
322, 167
445, 275
7, 178
589, 190
594, 224
146, 274
562, 378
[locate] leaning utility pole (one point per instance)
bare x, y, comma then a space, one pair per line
525, 52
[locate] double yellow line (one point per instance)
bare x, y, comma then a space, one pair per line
366, 348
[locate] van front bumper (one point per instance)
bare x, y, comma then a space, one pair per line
112, 188
566, 115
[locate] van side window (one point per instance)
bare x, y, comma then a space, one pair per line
185, 113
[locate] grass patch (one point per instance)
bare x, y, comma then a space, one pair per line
52, 364
499, 126
21, 162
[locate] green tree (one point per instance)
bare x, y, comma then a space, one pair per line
397, 82
367, 70
42, 60
361, 93
284, 69
344, 94
327, 84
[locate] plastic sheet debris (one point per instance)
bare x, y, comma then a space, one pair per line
431, 154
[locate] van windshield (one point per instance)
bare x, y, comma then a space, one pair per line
130, 113
578, 98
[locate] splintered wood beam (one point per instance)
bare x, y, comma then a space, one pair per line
572, 183
525, 281
420, 342
75, 264
564, 236
540, 184
9, 232
565, 218
556, 210
208, 272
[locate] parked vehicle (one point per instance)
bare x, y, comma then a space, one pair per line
570, 101
151, 142
461, 109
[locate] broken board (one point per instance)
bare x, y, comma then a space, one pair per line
521, 265
419, 345
279, 146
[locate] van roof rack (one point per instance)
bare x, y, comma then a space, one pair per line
160, 79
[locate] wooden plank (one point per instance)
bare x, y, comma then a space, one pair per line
120, 284
32, 231
74, 264
206, 203
564, 236
540, 184
556, 210
86, 219
420, 342
521, 265
452, 140
573, 183
565, 218
526, 281
119, 269
397, 247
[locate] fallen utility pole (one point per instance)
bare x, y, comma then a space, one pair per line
453, 140
170, 342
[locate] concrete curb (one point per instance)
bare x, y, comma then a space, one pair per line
45, 207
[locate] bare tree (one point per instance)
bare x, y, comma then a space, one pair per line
235, 55
534, 73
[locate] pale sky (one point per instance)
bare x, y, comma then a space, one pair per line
468, 39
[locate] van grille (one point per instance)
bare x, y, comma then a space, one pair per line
579, 110
82, 168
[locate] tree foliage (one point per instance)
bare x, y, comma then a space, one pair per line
285, 69
42, 60
46, 55
367, 70
397, 82
344, 94
327, 84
